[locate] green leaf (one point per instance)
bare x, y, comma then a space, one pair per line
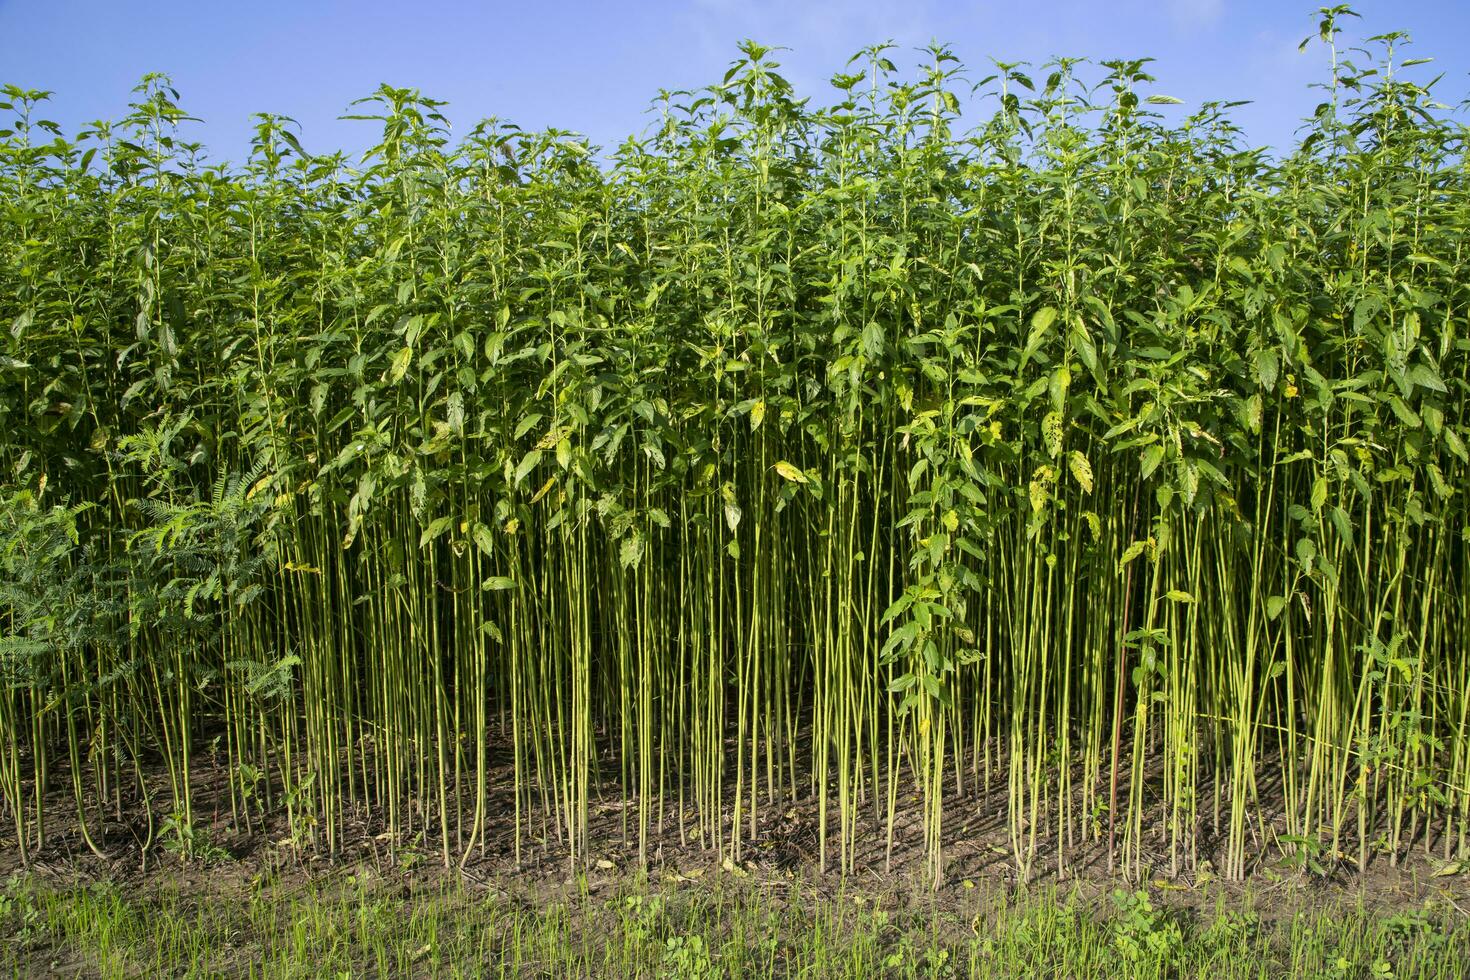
1152, 457
399, 367
1344, 526
436, 527
1268, 368
872, 340
528, 423
1061, 381
1087, 351
1437, 481
1426, 377
1454, 444
1041, 320
1404, 412
527, 464
630, 553
412, 330
1306, 552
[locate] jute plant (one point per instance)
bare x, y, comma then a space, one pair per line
1082, 467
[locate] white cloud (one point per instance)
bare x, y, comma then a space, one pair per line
1193, 15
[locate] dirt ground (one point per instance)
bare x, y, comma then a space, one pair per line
977, 851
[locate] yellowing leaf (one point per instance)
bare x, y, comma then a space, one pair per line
732, 507
791, 472
545, 489
1081, 470
1051, 431
1037, 492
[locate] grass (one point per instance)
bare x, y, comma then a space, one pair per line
359, 924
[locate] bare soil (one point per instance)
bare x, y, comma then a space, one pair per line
783, 849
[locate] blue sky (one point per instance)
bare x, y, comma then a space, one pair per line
594, 66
